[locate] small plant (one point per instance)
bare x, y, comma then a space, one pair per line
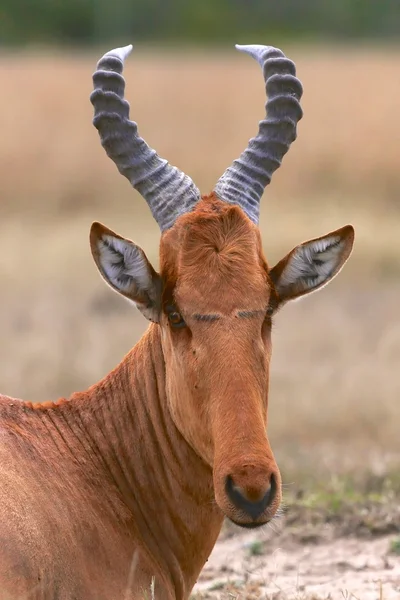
217, 585
256, 548
395, 546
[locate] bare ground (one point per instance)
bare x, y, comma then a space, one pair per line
311, 555
345, 568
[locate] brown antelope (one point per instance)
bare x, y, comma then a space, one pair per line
119, 492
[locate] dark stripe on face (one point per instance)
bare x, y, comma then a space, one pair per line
248, 314
208, 318
243, 314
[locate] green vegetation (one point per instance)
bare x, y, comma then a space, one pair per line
395, 546
345, 507
343, 491
256, 548
91, 21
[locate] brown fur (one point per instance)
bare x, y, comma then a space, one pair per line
100, 493
233, 277
123, 483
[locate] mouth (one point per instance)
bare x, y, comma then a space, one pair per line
249, 525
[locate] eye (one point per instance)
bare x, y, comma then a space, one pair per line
176, 319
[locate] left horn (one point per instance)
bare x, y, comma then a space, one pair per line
244, 181
167, 190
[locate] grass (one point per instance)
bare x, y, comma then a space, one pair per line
395, 546
256, 548
210, 107
334, 381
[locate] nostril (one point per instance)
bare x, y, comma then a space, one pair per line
254, 508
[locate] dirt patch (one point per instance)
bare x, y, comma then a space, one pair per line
247, 567
349, 551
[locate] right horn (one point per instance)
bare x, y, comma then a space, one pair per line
166, 189
243, 183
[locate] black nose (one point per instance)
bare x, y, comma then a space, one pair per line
249, 507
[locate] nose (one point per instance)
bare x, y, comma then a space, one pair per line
252, 501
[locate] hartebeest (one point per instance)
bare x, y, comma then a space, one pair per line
125, 486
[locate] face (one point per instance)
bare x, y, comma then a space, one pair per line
216, 335
213, 301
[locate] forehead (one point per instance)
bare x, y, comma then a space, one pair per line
219, 265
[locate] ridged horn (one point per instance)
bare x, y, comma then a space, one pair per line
243, 183
167, 190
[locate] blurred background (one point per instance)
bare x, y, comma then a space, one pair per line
335, 390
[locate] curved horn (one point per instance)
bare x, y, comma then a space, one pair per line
168, 192
244, 181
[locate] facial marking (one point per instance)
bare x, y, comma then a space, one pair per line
248, 314
242, 314
209, 318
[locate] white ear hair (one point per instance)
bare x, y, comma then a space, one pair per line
314, 262
124, 264
126, 269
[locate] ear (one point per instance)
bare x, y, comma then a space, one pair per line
312, 265
126, 268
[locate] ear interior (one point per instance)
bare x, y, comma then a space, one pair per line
311, 265
127, 270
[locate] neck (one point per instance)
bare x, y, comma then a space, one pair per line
126, 427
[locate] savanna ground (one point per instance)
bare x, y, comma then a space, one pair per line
335, 385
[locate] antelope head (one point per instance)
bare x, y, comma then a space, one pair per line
215, 296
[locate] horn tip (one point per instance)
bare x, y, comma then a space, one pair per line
120, 53
257, 51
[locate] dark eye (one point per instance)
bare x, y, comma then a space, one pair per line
176, 320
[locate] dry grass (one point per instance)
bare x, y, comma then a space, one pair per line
335, 383
199, 110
